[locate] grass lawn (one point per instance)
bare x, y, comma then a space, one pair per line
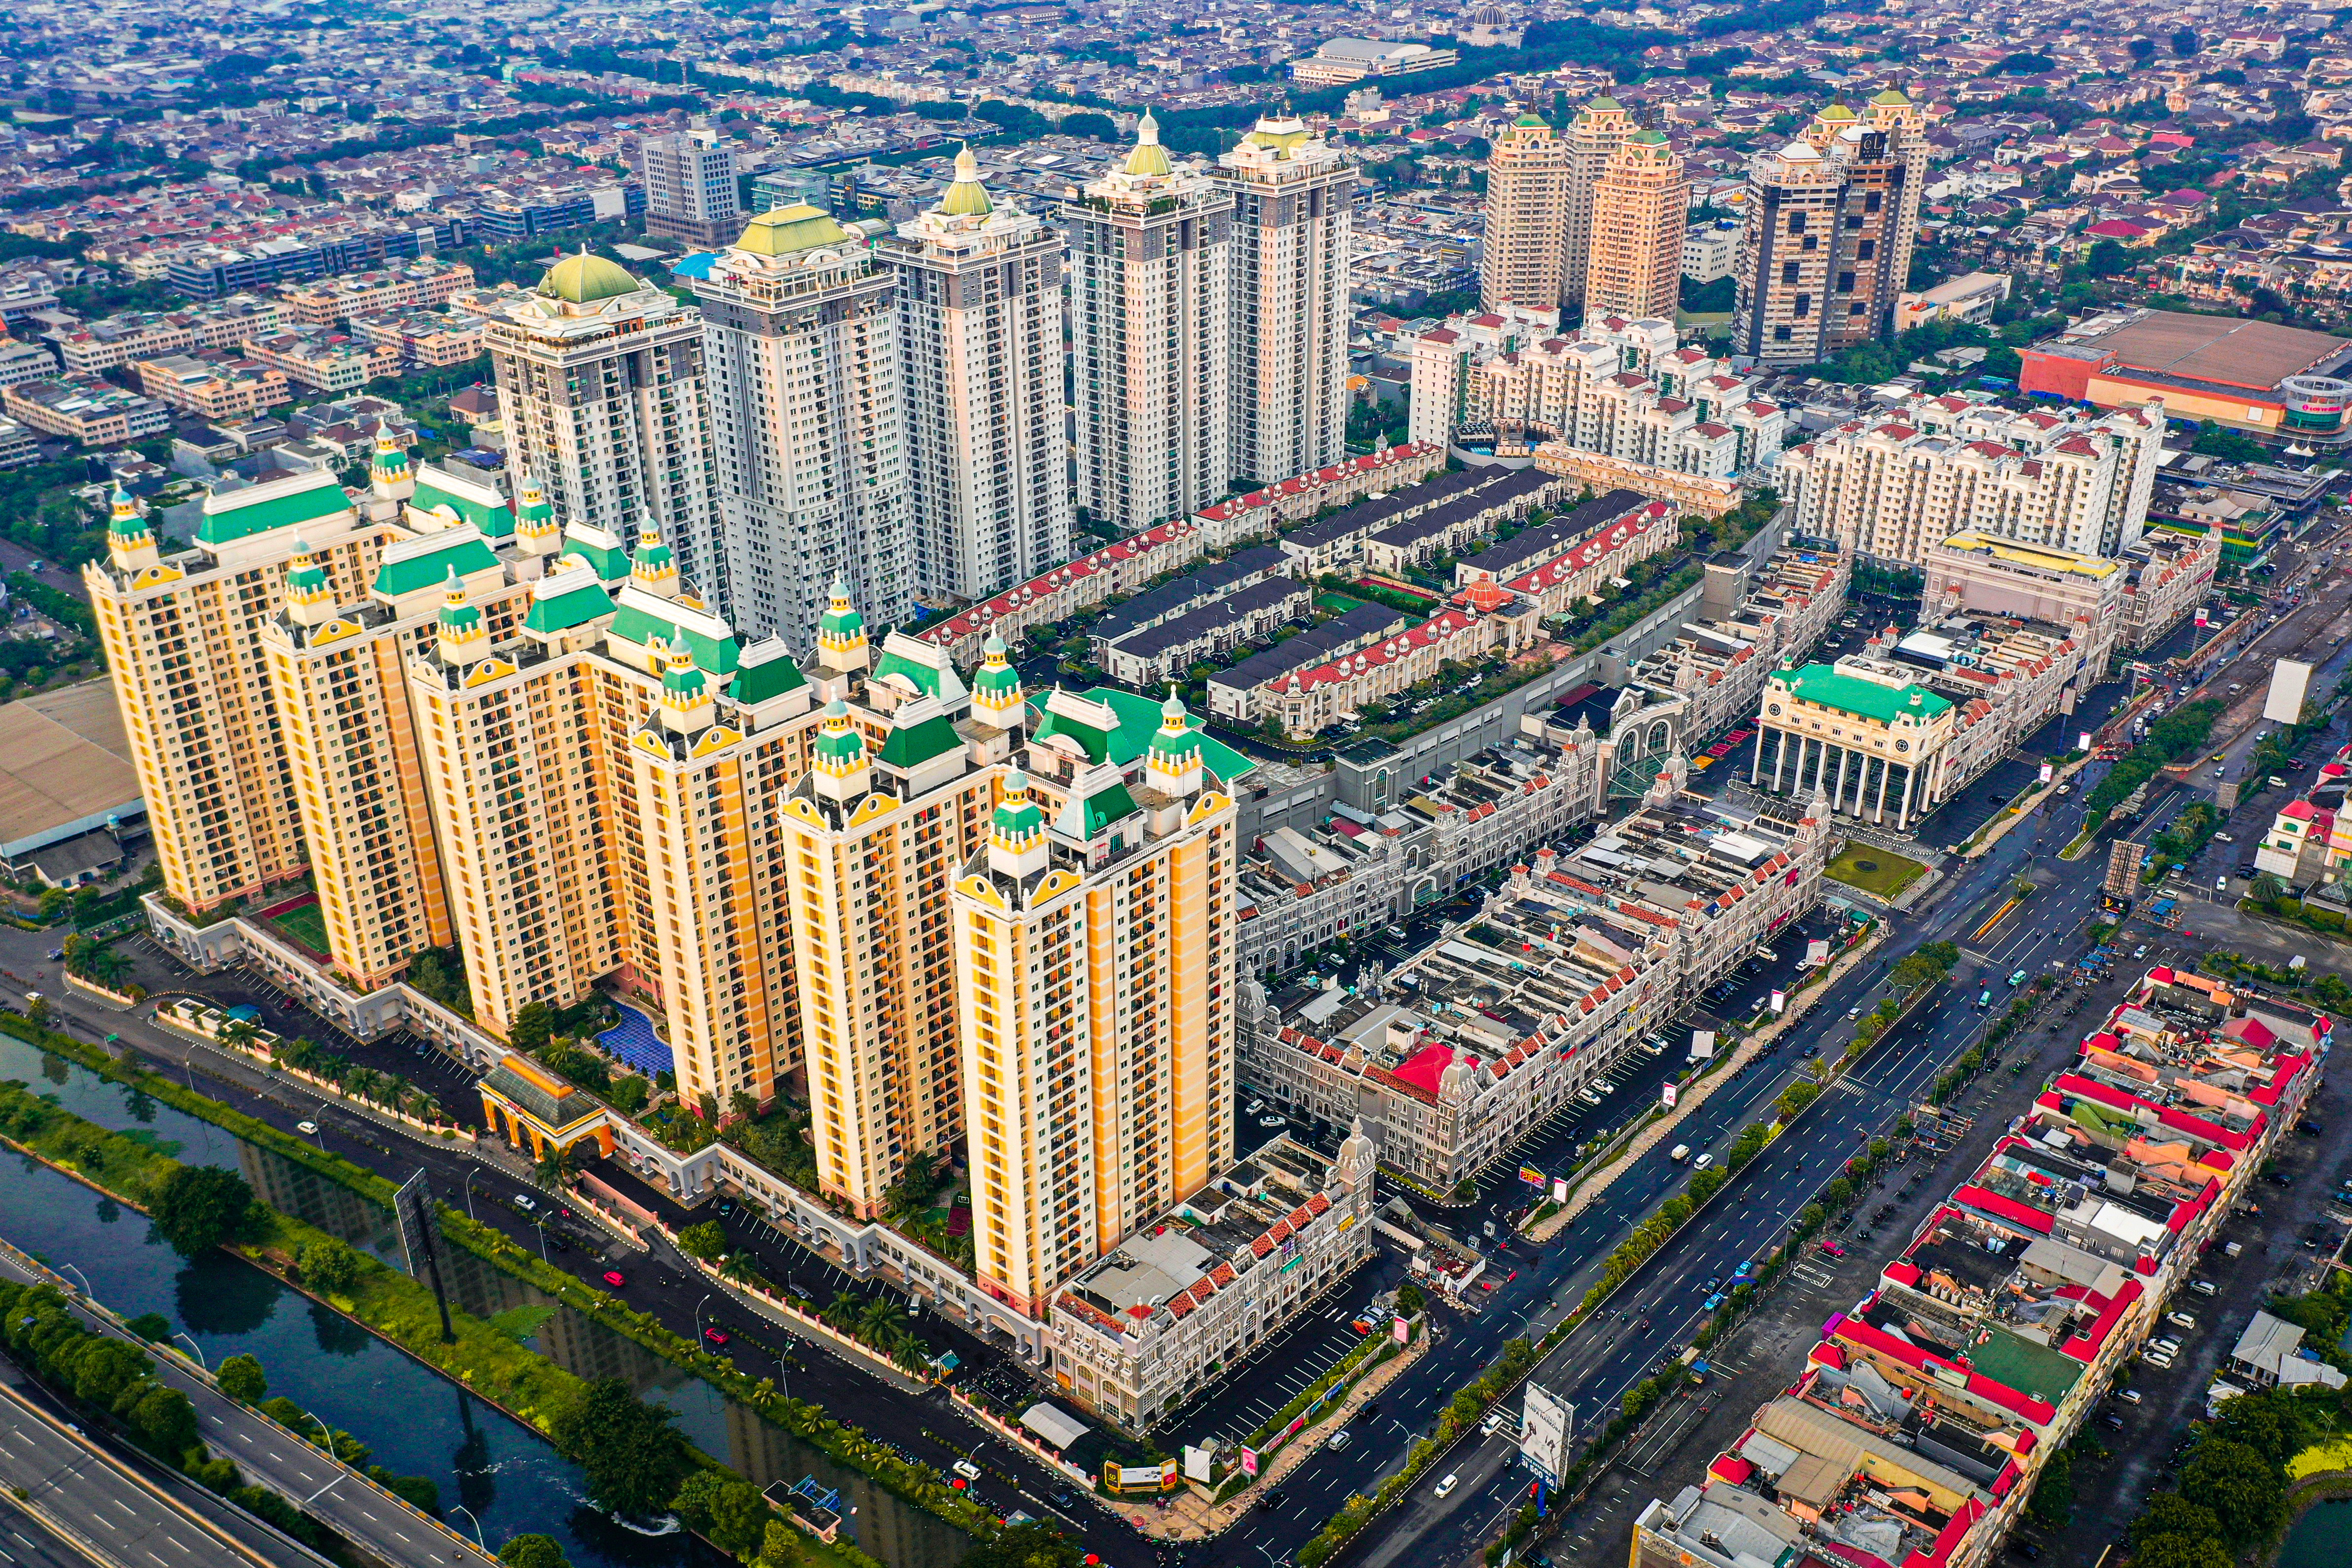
306, 925
1337, 603
1875, 870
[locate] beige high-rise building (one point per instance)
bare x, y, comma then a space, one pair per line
1094, 939
603, 394
184, 640
1523, 257
1151, 331
894, 798
1292, 198
1600, 128
979, 346
1825, 244
809, 428
1640, 205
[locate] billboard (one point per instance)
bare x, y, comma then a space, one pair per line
1559, 1189
1532, 1176
2048, 772
1668, 1094
1779, 1003
1547, 1427
1702, 1044
2290, 686
2123, 869
1140, 1478
1817, 953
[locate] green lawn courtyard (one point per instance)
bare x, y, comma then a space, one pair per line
306, 924
1873, 870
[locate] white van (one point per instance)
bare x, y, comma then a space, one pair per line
1701, 1163
1680, 1152
1445, 1488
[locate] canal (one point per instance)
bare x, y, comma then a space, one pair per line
418, 1422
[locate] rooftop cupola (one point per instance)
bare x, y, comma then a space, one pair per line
309, 597
537, 532
129, 542
1172, 763
996, 697
1016, 832
841, 633
652, 568
838, 760
687, 706
462, 636
1147, 157
390, 477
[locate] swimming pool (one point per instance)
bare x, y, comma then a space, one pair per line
633, 1041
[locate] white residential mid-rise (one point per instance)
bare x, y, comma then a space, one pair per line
1292, 196
1902, 481
691, 188
1151, 297
980, 344
803, 349
601, 391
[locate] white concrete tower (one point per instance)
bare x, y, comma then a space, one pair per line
1150, 297
979, 345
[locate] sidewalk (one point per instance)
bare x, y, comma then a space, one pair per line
1696, 1094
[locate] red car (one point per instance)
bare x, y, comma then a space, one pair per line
615, 1278
1511, 1276
1485, 1284
716, 1336
1832, 1248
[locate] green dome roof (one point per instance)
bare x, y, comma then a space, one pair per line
682, 679
1892, 95
306, 575
457, 615
839, 743
1280, 134
125, 522
1017, 816
1147, 157
967, 197
800, 226
583, 279
840, 619
1604, 105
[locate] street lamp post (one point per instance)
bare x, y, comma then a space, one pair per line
469, 1193
469, 1513
697, 1316
87, 1293
192, 1345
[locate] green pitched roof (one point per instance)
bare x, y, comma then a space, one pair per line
925, 676
431, 568
1850, 694
572, 607
635, 623
240, 514
583, 279
911, 744
757, 680
1084, 819
1138, 721
611, 561
496, 521
1092, 741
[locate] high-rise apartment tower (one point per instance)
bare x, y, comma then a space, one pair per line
1639, 207
802, 342
1523, 256
1150, 302
691, 188
979, 346
1293, 194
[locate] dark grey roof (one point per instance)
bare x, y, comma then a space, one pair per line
1206, 621
1212, 582
1315, 646
1368, 516
1540, 544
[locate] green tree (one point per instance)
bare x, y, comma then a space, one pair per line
164, 1417
631, 1455
2185, 43
2179, 1551
1031, 1545
629, 1094
242, 1379
779, 1547
2169, 1513
2053, 1493
199, 1207
2242, 1487
1409, 1301
329, 1265
532, 1027
724, 1507
705, 1240
533, 1552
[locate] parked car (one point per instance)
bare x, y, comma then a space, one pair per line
2128, 1395
2180, 1320
2203, 1287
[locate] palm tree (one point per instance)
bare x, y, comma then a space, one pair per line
2267, 889
239, 1034
876, 1323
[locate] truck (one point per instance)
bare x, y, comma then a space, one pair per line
1680, 1152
